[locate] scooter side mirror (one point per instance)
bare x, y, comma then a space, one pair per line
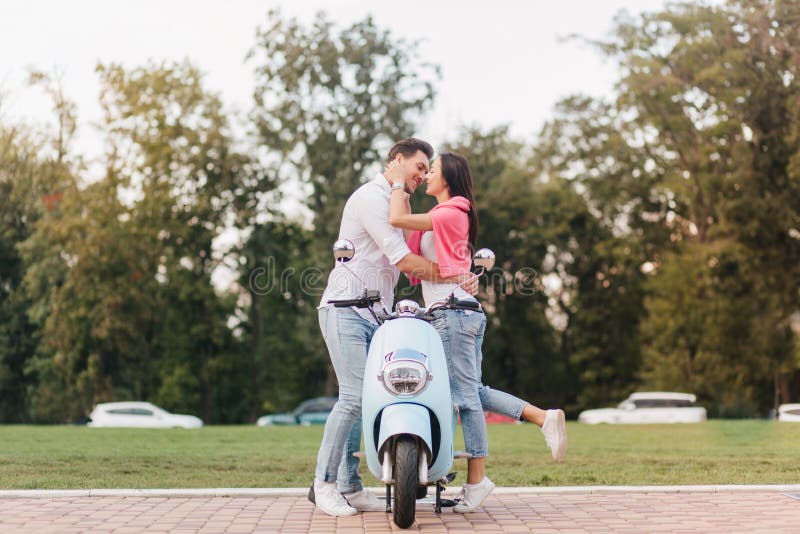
343, 250
484, 259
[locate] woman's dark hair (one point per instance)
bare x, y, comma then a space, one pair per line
409, 147
456, 173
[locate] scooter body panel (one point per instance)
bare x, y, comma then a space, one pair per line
417, 335
405, 418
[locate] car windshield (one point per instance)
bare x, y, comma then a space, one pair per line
315, 405
663, 403
130, 411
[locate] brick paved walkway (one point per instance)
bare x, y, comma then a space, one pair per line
741, 511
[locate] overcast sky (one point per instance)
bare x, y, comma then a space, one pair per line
502, 62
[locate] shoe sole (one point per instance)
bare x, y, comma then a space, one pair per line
338, 514
463, 510
367, 507
313, 498
561, 446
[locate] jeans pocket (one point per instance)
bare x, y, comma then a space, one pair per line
469, 322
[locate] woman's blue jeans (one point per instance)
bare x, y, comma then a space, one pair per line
462, 334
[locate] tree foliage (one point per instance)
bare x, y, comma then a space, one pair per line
26, 190
327, 102
651, 240
695, 161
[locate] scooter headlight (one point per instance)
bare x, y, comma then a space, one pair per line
405, 377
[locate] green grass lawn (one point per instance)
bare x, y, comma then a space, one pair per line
715, 452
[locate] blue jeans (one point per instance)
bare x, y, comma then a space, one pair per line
462, 334
347, 336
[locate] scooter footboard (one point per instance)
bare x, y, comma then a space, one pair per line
405, 418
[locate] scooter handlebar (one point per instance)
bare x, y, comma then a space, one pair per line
453, 303
469, 304
347, 303
365, 301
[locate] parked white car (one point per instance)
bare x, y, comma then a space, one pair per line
139, 415
789, 412
649, 407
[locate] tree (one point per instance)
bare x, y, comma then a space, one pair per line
36, 170
282, 328
692, 167
170, 141
326, 103
721, 96
26, 193
614, 228
136, 315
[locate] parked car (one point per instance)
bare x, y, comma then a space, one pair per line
139, 415
649, 407
789, 412
310, 412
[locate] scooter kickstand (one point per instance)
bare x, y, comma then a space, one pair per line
446, 503
388, 498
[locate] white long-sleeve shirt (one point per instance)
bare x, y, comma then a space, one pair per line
378, 247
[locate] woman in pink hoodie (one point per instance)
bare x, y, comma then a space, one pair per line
447, 235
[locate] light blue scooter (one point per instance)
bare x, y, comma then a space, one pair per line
408, 415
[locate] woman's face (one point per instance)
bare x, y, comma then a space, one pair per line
435, 180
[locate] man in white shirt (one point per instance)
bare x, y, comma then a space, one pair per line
381, 254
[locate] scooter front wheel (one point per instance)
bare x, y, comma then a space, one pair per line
406, 479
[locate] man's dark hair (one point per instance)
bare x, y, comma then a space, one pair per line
409, 147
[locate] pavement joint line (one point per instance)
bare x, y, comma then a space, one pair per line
295, 492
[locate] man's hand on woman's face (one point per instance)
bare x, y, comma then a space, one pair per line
395, 172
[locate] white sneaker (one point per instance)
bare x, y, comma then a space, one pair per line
474, 495
555, 433
365, 501
329, 500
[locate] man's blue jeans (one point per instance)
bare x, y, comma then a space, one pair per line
347, 336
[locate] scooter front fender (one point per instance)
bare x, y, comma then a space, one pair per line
405, 418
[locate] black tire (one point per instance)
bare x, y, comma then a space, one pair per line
406, 480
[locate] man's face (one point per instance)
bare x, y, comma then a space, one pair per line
414, 169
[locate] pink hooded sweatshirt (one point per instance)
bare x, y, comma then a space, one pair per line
450, 221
